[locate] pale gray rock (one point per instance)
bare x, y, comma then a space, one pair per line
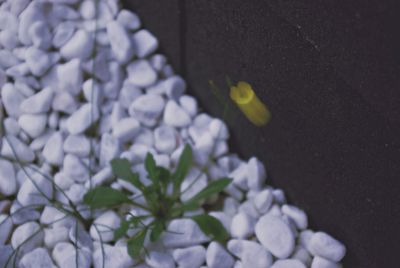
189, 104
114, 256
37, 190
66, 256
20, 214
53, 150
6, 226
120, 42
37, 258
78, 145
325, 246
93, 92
145, 43
297, 215
40, 35
160, 260
11, 99
80, 46
8, 182
38, 103
128, 19
158, 61
38, 61
218, 257
256, 174
33, 124
110, 147
176, 116
174, 87
70, 76
87, 9
141, 74
78, 236
32, 13
147, 109
194, 182
250, 253
126, 129
82, 119
263, 201
7, 256
165, 138
104, 225
64, 102
275, 235
242, 226
75, 169
63, 33
128, 94
76, 193
288, 263
27, 237
319, 262
16, 149
8, 59
55, 235
10, 125
9, 39
183, 233
63, 181
190, 257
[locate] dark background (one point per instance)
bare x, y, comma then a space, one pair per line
330, 73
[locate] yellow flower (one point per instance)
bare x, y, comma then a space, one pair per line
247, 101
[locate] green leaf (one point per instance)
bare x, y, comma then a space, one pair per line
151, 167
122, 169
122, 229
213, 188
184, 164
135, 244
102, 196
156, 231
211, 227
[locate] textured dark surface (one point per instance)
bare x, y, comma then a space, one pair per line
329, 71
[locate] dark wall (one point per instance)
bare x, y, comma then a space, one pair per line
329, 72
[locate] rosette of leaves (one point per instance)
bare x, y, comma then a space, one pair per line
162, 201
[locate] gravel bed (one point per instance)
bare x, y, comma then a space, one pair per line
79, 89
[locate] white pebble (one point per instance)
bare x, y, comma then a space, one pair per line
40, 35
78, 145
38, 61
120, 42
17, 150
297, 215
288, 263
12, 100
8, 182
104, 226
126, 129
242, 226
110, 147
63, 181
74, 168
275, 235
176, 116
160, 260
80, 45
319, 262
147, 109
114, 256
183, 233
70, 76
37, 258
191, 257
63, 33
53, 236
6, 227
128, 19
250, 253
194, 182
224, 218
53, 150
9, 39
218, 257
141, 74
28, 236
38, 103
33, 124
66, 256
37, 190
165, 139
79, 236
325, 246
30, 15
263, 201
87, 9
145, 43
64, 102
255, 174
82, 119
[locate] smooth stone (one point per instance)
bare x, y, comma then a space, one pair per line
32, 13
218, 257
183, 233
9, 39
40, 35
121, 45
70, 76
325, 246
160, 260
37, 258
75, 169
8, 182
297, 215
126, 129
16, 149
66, 256
145, 43
63, 181
11, 99
55, 235
82, 119
251, 253
20, 214
128, 94
38, 61
319, 262
79, 236
174, 87
27, 237
7, 256
76, 193
189, 104
56, 218
38, 103
263, 201
224, 218
87, 9
128, 19
275, 235
165, 138
289, 263
33, 124
110, 147
256, 174
196, 180
80, 46
78, 145
62, 33
53, 150
6, 226
114, 256
176, 116
141, 74
190, 257
64, 102
147, 109
103, 226
93, 92
37, 190
242, 226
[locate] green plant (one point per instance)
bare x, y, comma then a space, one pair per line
162, 201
